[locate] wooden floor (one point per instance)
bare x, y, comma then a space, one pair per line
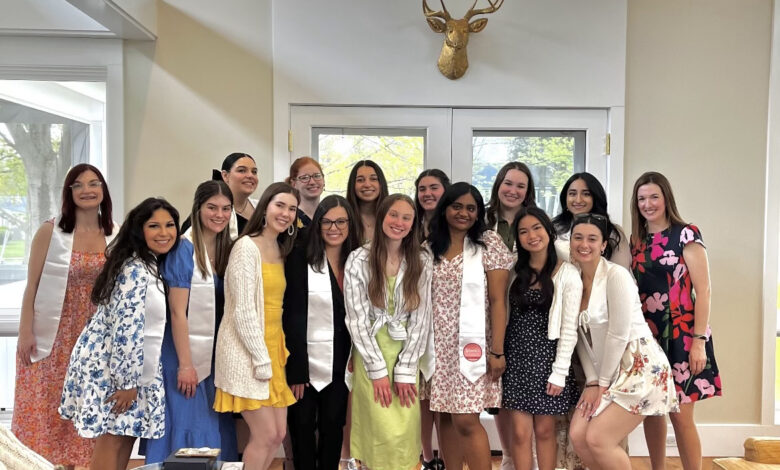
637, 463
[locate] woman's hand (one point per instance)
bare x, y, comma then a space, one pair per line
187, 381
298, 390
589, 400
382, 393
496, 366
553, 390
406, 393
123, 400
25, 347
697, 357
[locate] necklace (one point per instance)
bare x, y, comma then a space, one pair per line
243, 208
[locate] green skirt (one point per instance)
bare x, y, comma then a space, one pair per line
383, 438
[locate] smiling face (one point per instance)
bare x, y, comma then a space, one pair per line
587, 243
160, 232
513, 189
399, 220
462, 213
281, 212
312, 188
429, 191
532, 235
651, 204
215, 213
367, 185
87, 190
242, 177
334, 226
578, 197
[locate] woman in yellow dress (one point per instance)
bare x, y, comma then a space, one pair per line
251, 354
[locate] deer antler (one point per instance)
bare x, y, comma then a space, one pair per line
483, 11
443, 14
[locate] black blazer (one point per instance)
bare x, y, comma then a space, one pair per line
295, 318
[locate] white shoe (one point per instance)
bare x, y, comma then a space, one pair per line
349, 464
507, 463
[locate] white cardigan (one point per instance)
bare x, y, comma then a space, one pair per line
242, 365
562, 322
364, 319
614, 318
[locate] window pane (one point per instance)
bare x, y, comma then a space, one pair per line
400, 153
552, 157
45, 129
7, 371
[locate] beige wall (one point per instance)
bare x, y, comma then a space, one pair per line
198, 93
696, 110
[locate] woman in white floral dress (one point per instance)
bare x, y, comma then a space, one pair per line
471, 268
113, 389
628, 376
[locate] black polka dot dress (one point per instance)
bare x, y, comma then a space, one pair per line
529, 359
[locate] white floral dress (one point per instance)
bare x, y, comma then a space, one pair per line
109, 356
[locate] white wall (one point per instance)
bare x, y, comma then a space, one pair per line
535, 53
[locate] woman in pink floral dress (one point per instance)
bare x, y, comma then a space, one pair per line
66, 256
470, 274
670, 265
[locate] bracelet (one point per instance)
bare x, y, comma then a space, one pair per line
704, 337
591, 385
496, 355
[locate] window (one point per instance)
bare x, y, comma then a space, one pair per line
46, 127
399, 152
552, 157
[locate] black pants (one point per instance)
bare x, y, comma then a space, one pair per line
324, 412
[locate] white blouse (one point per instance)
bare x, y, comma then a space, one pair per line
562, 322
613, 318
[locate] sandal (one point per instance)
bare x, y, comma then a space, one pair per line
432, 464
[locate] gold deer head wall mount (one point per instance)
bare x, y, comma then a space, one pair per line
453, 60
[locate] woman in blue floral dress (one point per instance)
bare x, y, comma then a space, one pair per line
113, 389
670, 265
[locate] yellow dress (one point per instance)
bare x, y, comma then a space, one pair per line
280, 395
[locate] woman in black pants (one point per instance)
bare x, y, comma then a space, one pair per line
317, 336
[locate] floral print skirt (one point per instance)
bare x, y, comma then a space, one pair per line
644, 383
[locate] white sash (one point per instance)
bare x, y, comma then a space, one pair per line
51, 290
201, 314
233, 225
319, 329
471, 331
154, 328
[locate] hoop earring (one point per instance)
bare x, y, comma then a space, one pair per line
265, 222
291, 229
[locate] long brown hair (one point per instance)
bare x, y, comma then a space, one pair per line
256, 223
494, 204
377, 258
206, 191
352, 198
68, 211
638, 222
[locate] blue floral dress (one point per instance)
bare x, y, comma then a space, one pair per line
109, 356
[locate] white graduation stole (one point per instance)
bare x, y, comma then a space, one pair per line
201, 314
154, 327
51, 290
319, 330
471, 331
233, 225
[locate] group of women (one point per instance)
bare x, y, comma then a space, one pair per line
353, 325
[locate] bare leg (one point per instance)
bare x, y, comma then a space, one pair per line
522, 433
546, 444
655, 436
688, 443
473, 440
426, 430
453, 453
504, 428
604, 434
577, 432
267, 427
111, 452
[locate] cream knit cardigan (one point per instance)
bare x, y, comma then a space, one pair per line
242, 366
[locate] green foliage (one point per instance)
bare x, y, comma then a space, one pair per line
551, 160
13, 179
401, 159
